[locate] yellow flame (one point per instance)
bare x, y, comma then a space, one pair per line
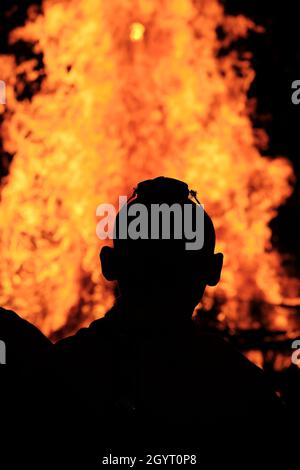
137, 31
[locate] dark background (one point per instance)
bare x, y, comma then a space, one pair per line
276, 55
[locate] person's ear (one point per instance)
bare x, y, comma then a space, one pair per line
215, 269
108, 263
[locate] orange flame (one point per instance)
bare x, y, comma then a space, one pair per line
133, 89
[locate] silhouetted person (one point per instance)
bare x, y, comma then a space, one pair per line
22, 347
24, 342
145, 374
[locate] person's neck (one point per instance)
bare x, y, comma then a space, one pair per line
141, 311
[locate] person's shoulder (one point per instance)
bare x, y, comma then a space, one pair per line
84, 341
24, 341
221, 355
226, 360
6, 314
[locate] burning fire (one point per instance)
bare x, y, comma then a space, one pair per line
132, 89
